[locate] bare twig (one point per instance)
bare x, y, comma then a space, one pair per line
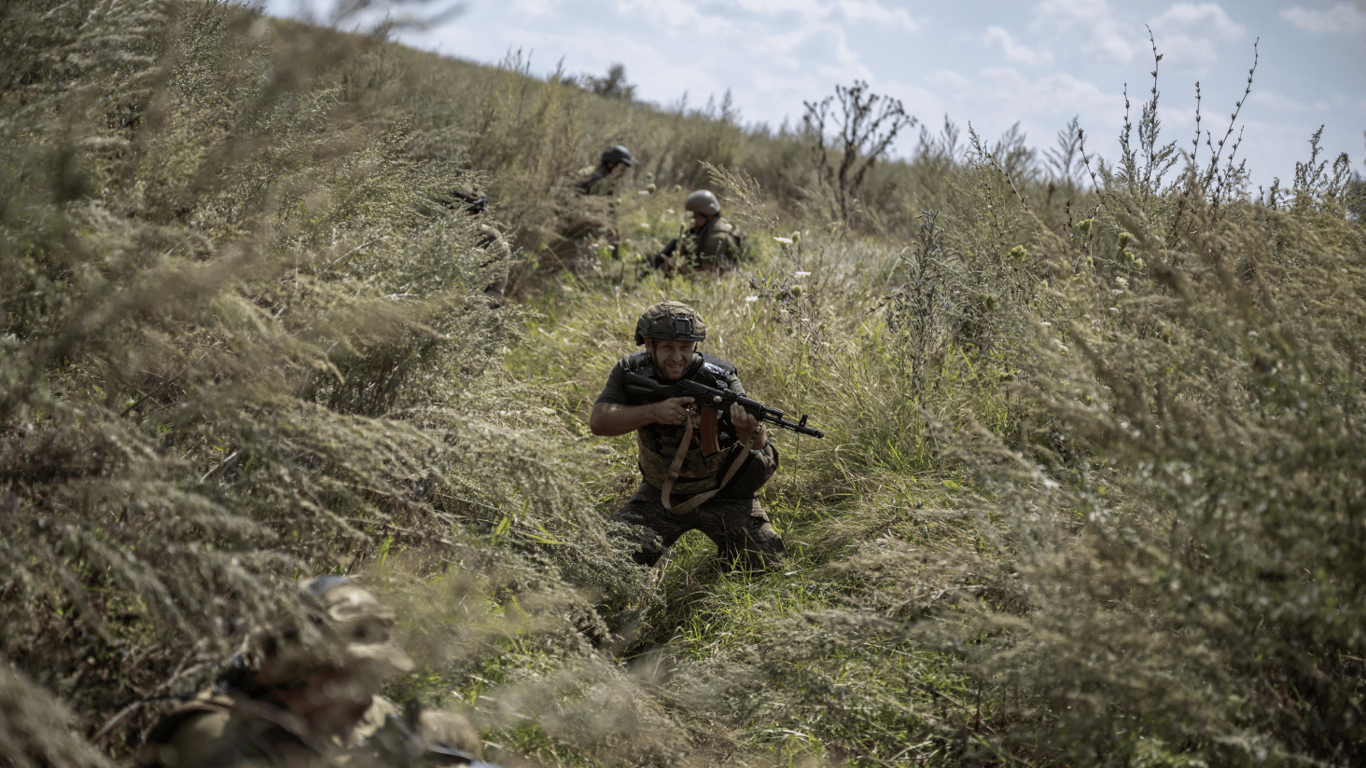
991, 160
180, 673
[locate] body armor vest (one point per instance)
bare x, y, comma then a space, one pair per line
658, 443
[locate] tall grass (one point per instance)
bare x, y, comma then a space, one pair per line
1090, 491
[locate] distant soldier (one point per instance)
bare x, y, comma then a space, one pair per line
601, 180
304, 695
491, 241
712, 245
585, 219
715, 490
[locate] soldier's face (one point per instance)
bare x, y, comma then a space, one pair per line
671, 357
698, 220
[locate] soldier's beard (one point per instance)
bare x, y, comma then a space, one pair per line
672, 372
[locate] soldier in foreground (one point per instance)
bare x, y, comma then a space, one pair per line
711, 245
715, 488
308, 695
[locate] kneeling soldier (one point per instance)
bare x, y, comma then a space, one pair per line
718, 487
713, 244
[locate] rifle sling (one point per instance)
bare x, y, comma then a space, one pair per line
677, 465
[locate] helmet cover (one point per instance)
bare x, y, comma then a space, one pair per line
670, 321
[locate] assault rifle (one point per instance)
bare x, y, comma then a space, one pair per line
712, 400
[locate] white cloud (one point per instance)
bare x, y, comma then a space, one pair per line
996, 36
959, 86
825, 44
1184, 51
1093, 21
533, 8
669, 14
1277, 102
1188, 34
773, 7
1014, 93
1343, 18
806, 12
1197, 20
870, 10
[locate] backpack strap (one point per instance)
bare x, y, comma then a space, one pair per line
697, 500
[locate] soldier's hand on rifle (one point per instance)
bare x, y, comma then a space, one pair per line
745, 425
675, 410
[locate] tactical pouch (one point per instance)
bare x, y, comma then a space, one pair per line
759, 466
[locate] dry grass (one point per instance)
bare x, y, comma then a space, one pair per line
1090, 493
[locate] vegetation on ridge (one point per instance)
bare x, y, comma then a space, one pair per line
1091, 492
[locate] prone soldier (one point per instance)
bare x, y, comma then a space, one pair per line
585, 215
491, 242
303, 695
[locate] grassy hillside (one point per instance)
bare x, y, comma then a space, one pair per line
1091, 491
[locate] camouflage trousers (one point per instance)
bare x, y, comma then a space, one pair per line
740, 528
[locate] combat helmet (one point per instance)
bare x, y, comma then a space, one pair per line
616, 154
670, 321
358, 620
704, 202
342, 625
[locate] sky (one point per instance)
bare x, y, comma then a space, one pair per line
989, 64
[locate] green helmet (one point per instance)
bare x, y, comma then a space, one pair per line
704, 202
670, 321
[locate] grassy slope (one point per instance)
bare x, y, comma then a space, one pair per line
1041, 529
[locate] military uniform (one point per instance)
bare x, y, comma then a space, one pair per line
232, 731
590, 180
717, 246
333, 662
733, 520
585, 217
498, 252
236, 731
490, 240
